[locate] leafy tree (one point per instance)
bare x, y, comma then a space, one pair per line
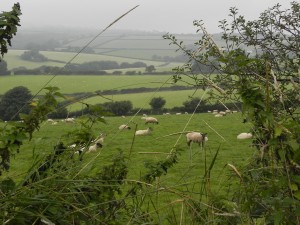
150, 69
194, 103
267, 84
60, 112
9, 21
3, 67
157, 103
13, 102
131, 72
117, 72
33, 55
119, 107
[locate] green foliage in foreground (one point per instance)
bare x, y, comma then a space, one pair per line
260, 65
181, 170
151, 179
9, 21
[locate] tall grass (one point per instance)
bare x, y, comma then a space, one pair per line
173, 196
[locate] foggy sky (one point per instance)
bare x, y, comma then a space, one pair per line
173, 16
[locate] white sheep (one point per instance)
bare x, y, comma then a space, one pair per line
144, 132
151, 120
244, 136
124, 127
50, 120
70, 120
222, 113
99, 139
80, 148
218, 115
96, 143
196, 137
94, 147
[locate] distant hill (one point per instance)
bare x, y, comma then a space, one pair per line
121, 43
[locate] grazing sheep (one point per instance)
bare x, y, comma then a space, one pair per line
96, 143
70, 120
196, 137
144, 132
99, 139
79, 147
124, 127
178, 114
151, 120
218, 115
50, 120
94, 147
222, 113
244, 136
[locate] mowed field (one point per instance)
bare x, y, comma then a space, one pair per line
90, 84
14, 60
187, 174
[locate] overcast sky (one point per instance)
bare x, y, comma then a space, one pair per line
173, 16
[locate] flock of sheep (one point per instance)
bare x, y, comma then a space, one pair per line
191, 137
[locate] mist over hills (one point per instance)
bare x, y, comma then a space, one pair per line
124, 43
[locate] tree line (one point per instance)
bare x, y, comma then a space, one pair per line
16, 101
93, 67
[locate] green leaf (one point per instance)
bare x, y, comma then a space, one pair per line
7, 185
278, 217
277, 131
294, 187
297, 195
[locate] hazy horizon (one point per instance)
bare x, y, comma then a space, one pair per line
150, 15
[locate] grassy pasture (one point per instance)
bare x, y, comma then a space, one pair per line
77, 84
186, 175
222, 133
82, 84
134, 41
13, 59
141, 100
143, 46
145, 54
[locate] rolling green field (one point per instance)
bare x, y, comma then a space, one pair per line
185, 177
78, 84
85, 84
13, 60
141, 100
143, 46
222, 134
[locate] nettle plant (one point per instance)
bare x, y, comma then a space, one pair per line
258, 65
